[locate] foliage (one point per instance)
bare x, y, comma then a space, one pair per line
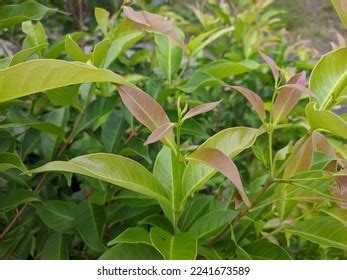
94, 167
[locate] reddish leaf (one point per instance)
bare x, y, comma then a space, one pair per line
137, 17
321, 144
159, 133
302, 159
254, 99
341, 179
288, 97
154, 23
273, 66
221, 162
203, 108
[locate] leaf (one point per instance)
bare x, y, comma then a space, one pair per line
338, 214
200, 109
146, 110
287, 98
168, 56
15, 198
145, 21
58, 215
264, 250
324, 231
65, 96
211, 223
326, 120
102, 19
329, 78
131, 252
74, 51
14, 14
56, 247
254, 99
113, 169
341, 9
272, 64
112, 132
160, 132
9, 161
90, 220
231, 142
132, 235
43, 74
157, 221
302, 159
35, 34
221, 162
100, 52
174, 247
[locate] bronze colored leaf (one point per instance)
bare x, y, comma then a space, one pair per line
159, 133
203, 108
272, 64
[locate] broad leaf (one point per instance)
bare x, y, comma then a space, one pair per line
131, 252
341, 9
231, 142
56, 247
132, 235
74, 51
264, 250
329, 78
102, 19
113, 169
90, 220
272, 64
14, 14
43, 74
15, 198
174, 247
9, 161
160, 132
324, 230
200, 109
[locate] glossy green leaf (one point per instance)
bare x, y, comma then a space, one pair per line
264, 250
35, 34
329, 78
15, 198
211, 223
132, 235
43, 74
58, 215
9, 161
14, 14
74, 51
326, 120
231, 142
113, 169
174, 247
324, 231
90, 221
102, 19
168, 55
65, 96
131, 252
56, 247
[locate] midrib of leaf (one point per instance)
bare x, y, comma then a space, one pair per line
60, 214
93, 218
338, 87
171, 248
283, 106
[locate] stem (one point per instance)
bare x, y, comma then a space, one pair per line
270, 155
45, 175
182, 72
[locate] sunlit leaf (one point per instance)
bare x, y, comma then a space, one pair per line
102, 17
200, 109
160, 133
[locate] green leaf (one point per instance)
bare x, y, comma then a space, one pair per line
9, 161
324, 231
329, 78
100, 52
112, 131
65, 96
132, 235
74, 51
43, 74
341, 9
113, 169
326, 120
15, 198
35, 34
338, 214
264, 250
102, 19
58, 215
56, 247
14, 14
174, 247
231, 142
168, 55
90, 220
211, 223
131, 252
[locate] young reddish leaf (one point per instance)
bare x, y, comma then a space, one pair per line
203, 108
146, 110
221, 162
154, 23
273, 66
341, 179
159, 133
321, 144
302, 159
135, 16
288, 97
254, 99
